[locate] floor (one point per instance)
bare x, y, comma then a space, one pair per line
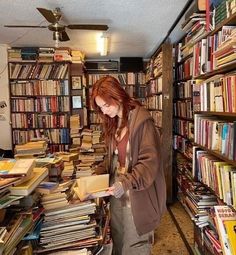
175, 234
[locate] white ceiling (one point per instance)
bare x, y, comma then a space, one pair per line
136, 27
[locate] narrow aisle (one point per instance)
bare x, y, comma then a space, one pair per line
168, 238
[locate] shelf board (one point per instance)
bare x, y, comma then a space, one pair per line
184, 59
183, 118
221, 70
44, 128
30, 96
227, 114
217, 154
184, 136
183, 99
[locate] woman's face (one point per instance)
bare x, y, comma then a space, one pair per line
111, 110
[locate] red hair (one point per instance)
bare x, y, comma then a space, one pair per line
111, 91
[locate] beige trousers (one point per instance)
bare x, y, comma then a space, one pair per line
126, 240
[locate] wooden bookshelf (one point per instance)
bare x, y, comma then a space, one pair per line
214, 113
41, 97
159, 102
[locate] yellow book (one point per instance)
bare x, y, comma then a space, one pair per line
27, 187
6, 165
230, 226
217, 168
67, 156
89, 187
21, 167
226, 181
223, 214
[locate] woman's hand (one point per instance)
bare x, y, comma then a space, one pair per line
116, 190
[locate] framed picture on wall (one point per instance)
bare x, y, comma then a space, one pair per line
76, 82
76, 102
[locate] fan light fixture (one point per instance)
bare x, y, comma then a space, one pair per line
57, 36
103, 44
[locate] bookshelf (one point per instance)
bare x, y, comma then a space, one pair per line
206, 173
159, 78
41, 95
183, 126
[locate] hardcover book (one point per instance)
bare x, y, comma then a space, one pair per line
46, 187
224, 214
90, 187
27, 187
21, 167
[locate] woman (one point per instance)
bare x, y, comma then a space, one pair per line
137, 182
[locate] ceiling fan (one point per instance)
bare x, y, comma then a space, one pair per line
59, 30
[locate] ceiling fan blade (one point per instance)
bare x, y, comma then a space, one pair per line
48, 15
24, 26
88, 27
63, 36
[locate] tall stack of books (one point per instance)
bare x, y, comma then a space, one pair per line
91, 152
75, 126
71, 227
69, 159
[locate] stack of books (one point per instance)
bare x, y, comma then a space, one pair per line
225, 53
55, 166
53, 200
75, 126
199, 202
14, 55
27, 187
70, 227
29, 53
77, 56
31, 149
13, 173
62, 54
46, 54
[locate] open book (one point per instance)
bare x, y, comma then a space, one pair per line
94, 186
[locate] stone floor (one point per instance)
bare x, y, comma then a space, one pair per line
175, 234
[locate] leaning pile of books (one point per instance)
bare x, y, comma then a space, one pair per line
225, 53
14, 174
21, 177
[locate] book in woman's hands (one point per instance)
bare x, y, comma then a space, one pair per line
94, 186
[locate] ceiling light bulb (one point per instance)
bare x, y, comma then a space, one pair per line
103, 44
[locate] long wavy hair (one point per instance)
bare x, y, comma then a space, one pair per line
111, 91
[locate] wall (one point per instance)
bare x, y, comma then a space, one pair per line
5, 128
